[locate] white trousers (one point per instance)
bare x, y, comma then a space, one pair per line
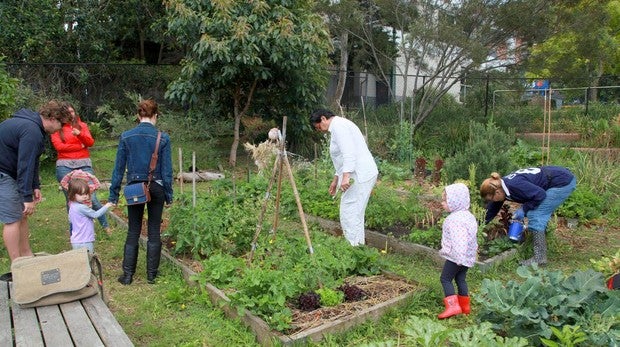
352, 209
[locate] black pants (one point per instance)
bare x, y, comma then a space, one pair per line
135, 214
452, 271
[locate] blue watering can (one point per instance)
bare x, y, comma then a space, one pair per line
515, 231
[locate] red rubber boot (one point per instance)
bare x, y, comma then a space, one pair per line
452, 307
464, 303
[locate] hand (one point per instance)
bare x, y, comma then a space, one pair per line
75, 132
29, 208
333, 186
519, 214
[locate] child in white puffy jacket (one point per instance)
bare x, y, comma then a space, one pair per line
459, 246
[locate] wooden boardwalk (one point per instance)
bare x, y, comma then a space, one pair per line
87, 322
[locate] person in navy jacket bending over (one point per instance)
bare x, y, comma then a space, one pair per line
540, 190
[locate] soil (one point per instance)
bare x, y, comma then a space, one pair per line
378, 288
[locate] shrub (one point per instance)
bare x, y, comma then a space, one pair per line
488, 148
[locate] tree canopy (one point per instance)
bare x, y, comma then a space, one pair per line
262, 57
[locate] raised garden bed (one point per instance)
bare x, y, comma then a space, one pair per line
392, 244
384, 291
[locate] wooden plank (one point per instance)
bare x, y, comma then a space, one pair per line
110, 331
80, 327
53, 326
6, 333
27, 331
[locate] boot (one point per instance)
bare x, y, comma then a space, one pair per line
130, 258
540, 250
452, 307
153, 255
464, 303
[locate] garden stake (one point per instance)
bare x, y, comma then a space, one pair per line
280, 161
259, 224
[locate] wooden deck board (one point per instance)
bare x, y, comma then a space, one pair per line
104, 322
6, 332
80, 327
55, 332
86, 322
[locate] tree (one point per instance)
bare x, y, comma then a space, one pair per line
584, 45
443, 41
250, 57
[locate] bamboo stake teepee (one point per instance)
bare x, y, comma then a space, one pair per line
281, 162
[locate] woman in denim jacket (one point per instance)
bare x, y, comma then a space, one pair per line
134, 155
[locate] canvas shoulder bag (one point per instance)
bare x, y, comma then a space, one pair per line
139, 193
44, 279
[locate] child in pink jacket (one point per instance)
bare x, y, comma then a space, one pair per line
459, 246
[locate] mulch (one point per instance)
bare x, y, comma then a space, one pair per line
379, 289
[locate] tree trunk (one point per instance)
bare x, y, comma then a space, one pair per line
239, 112
342, 71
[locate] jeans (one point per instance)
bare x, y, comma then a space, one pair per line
62, 171
538, 218
452, 271
88, 245
155, 209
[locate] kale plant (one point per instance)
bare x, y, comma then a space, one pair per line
546, 299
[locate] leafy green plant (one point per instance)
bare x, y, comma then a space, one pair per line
583, 204
430, 237
608, 266
569, 336
330, 297
427, 332
546, 299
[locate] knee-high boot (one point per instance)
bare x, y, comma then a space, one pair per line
130, 258
540, 249
153, 255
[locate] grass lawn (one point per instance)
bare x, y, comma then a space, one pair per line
171, 313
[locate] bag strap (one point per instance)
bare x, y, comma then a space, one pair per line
98, 274
154, 158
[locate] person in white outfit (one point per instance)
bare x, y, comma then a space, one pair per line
356, 171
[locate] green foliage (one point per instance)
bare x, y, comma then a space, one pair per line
488, 148
583, 203
428, 332
261, 57
401, 144
430, 237
387, 209
524, 155
330, 297
608, 266
8, 91
215, 225
569, 336
546, 299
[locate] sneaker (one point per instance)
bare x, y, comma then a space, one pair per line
7, 277
108, 231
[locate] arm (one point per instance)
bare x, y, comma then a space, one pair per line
493, 208
118, 172
67, 146
530, 195
166, 168
85, 136
29, 149
90, 213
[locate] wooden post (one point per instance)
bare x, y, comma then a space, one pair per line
194, 179
181, 169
